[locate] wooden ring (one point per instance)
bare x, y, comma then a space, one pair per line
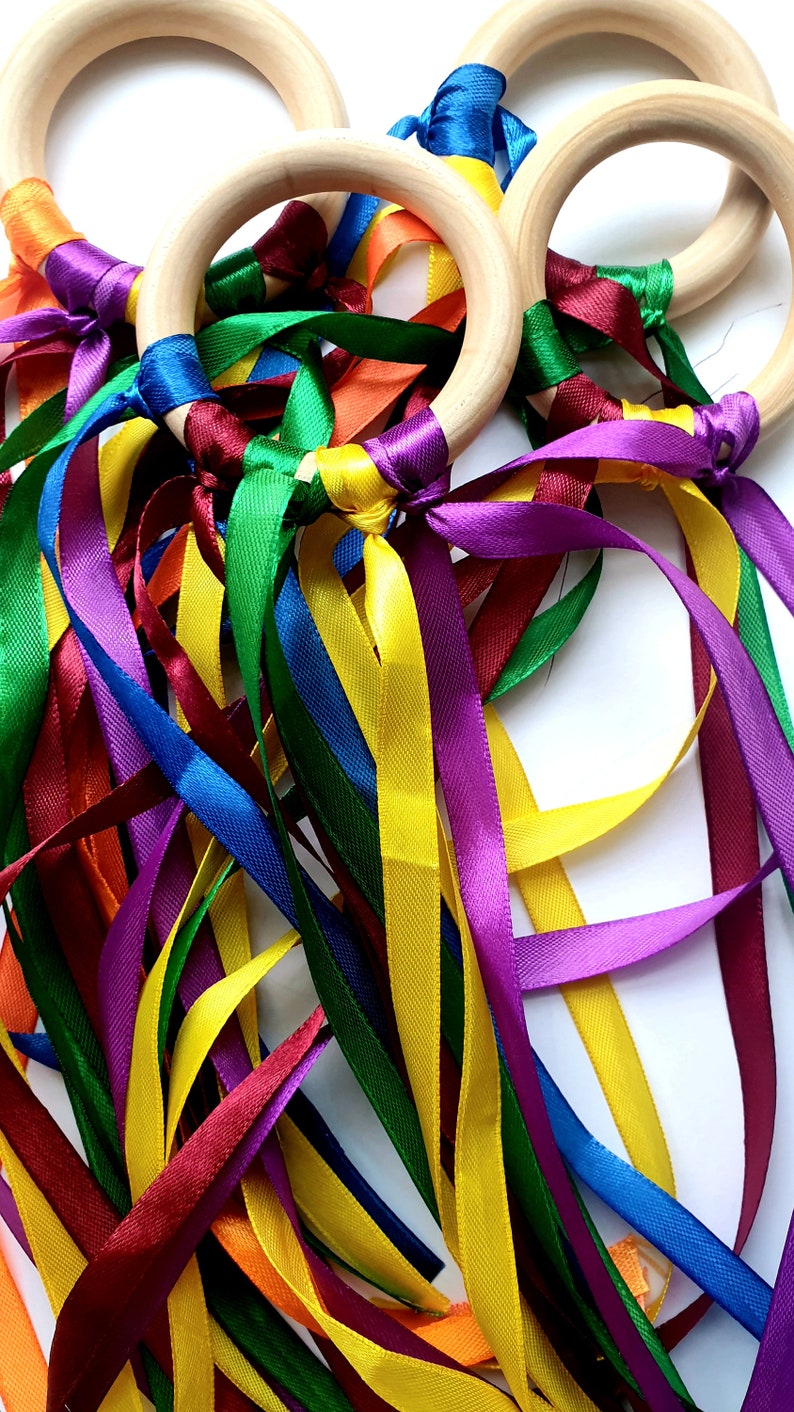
75, 32
381, 167
699, 114
700, 38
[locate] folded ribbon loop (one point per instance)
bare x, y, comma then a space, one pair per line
733, 422
83, 277
414, 459
92, 287
356, 488
459, 121
294, 245
650, 285
409, 459
293, 249
171, 375
465, 119
405, 466
216, 440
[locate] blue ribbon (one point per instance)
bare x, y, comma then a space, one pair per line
38, 1047
464, 119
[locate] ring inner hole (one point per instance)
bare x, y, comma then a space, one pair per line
143, 125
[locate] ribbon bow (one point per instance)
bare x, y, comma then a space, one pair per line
464, 119
92, 289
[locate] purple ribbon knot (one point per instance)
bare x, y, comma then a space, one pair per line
413, 458
732, 423
92, 289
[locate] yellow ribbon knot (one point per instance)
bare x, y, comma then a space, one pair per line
355, 486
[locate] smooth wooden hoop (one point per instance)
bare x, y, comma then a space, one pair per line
696, 113
700, 38
75, 32
379, 167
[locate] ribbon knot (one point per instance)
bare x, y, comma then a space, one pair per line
413, 458
428, 495
217, 442
91, 287
465, 119
294, 250
94, 289
405, 467
727, 431
459, 120
85, 279
356, 488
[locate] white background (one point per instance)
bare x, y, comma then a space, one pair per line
153, 119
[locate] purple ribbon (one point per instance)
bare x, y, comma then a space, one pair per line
9, 1213
119, 972
417, 461
578, 953
772, 1384
413, 463
93, 289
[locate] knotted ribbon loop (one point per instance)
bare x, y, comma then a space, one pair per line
83, 277
216, 440
294, 250
171, 375
650, 285
356, 488
294, 246
464, 119
91, 286
733, 422
406, 466
460, 120
413, 458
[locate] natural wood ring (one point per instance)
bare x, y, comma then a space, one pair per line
700, 38
696, 113
381, 167
75, 32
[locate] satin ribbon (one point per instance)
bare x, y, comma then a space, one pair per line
464, 119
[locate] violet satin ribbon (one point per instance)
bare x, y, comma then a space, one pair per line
772, 1383
93, 288
118, 980
92, 585
577, 953
413, 459
514, 530
9, 1212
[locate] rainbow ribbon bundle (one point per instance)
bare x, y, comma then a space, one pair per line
255, 642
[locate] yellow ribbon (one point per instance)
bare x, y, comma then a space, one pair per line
477, 1228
